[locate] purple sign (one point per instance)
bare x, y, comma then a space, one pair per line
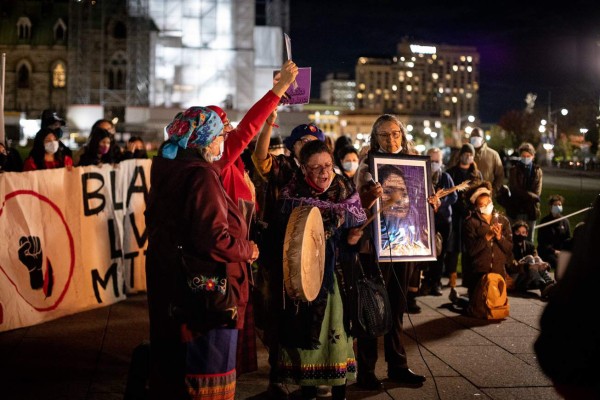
300, 92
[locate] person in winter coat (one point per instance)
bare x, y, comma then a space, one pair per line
525, 184
188, 207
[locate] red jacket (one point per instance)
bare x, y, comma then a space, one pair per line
231, 165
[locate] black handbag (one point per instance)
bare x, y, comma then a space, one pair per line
206, 300
373, 316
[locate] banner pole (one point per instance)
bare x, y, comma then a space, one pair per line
2, 129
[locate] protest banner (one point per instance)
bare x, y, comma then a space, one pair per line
72, 240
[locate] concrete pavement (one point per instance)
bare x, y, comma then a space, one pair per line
87, 356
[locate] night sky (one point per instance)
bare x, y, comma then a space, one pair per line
524, 46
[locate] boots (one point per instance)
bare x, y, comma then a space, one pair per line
411, 303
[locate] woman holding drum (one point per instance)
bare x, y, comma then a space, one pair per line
317, 348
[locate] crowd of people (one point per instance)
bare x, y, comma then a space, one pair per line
49, 152
225, 195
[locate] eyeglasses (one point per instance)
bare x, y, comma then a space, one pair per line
320, 168
392, 134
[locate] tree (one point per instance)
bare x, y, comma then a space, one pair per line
521, 126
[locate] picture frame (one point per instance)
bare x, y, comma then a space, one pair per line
404, 226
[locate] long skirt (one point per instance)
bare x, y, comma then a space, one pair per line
210, 365
333, 363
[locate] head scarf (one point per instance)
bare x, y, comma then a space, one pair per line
479, 192
195, 127
300, 131
220, 112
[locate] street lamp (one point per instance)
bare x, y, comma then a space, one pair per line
459, 120
563, 111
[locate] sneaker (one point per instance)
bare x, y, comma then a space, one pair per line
547, 290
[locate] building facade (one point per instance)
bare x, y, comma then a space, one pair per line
339, 90
91, 59
420, 80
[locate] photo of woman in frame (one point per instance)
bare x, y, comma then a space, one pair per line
404, 227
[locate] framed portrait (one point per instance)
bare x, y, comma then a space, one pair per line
404, 227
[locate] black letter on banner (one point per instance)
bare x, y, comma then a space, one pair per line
116, 204
139, 170
111, 274
140, 239
112, 237
87, 196
131, 256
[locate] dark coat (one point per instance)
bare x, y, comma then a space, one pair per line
552, 237
187, 204
484, 256
525, 189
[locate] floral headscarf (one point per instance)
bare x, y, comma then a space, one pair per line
195, 127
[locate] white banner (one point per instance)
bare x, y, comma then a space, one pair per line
70, 241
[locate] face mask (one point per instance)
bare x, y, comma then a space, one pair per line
526, 160
350, 166
103, 150
436, 166
477, 141
51, 147
221, 148
519, 238
556, 210
466, 159
58, 132
487, 210
3, 159
139, 154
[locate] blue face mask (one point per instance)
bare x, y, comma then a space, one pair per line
58, 132
556, 210
527, 160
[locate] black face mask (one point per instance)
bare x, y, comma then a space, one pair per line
519, 238
140, 154
58, 132
3, 160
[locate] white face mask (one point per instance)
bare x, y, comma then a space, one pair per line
477, 141
526, 160
51, 147
466, 159
350, 166
487, 210
435, 166
221, 148
556, 210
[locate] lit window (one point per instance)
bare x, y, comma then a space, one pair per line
59, 76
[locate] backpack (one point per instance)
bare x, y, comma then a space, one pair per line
489, 300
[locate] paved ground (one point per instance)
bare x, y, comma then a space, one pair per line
87, 356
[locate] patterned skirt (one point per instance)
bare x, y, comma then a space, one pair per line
210, 365
333, 363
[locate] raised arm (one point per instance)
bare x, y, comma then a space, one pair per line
283, 80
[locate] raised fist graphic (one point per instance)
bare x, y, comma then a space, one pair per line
30, 254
